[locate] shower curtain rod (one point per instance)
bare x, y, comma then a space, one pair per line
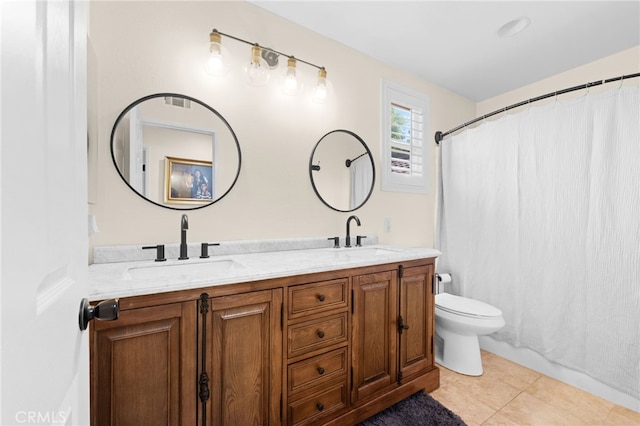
439, 135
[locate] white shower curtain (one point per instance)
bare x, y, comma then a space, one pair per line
539, 215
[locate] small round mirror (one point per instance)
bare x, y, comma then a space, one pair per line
175, 151
342, 171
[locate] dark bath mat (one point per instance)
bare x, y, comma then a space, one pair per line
419, 409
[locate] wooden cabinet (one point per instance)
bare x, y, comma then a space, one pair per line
393, 327
141, 366
330, 348
242, 347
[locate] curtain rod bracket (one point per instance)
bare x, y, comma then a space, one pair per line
438, 137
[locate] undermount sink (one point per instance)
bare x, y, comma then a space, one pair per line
372, 251
176, 270
364, 252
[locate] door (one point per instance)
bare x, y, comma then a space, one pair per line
245, 373
416, 312
143, 367
43, 234
135, 152
374, 338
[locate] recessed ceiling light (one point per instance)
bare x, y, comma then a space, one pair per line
514, 27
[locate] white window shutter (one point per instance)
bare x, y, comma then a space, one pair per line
405, 118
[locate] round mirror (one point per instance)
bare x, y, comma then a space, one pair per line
342, 171
175, 151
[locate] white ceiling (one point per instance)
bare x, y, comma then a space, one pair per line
455, 44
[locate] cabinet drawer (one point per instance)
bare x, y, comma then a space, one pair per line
317, 370
318, 406
318, 297
316, 334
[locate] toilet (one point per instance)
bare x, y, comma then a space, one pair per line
459, 322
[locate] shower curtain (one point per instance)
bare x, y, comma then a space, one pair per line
539, 215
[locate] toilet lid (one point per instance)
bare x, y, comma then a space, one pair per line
465, 306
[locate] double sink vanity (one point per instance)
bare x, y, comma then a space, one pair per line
291, 332
284, 332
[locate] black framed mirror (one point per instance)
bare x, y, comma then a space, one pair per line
342, 171
175, 151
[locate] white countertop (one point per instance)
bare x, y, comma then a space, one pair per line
140, 277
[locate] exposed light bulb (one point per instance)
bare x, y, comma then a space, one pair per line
215, 61
257, 71
291, 84
323, 87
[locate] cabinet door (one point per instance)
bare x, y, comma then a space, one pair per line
374, 335
139, 365
416, 311
245, 359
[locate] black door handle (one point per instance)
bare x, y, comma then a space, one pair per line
401, 325
107, 310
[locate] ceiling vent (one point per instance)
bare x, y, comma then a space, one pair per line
179, 102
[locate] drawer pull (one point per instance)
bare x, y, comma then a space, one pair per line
320, 334
320, 406
320, 370
321, 297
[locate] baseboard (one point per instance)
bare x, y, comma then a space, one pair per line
531, 359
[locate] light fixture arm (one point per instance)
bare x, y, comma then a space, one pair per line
215, 31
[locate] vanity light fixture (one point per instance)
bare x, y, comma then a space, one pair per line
264, 59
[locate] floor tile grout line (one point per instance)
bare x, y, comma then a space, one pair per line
535, 387
604, 418
520, 391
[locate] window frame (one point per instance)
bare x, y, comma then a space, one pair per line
395, 94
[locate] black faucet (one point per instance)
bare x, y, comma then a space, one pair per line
348, 237
184, 225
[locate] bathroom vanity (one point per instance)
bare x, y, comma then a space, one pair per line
295, 337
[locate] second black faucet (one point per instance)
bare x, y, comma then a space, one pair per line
184, 225
347, 242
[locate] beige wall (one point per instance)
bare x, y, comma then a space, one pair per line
140, 48
622, 63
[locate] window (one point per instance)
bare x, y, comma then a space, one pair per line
405, 115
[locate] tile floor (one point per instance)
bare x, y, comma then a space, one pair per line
509, 394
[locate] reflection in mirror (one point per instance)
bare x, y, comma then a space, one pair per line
175, 151
342, 171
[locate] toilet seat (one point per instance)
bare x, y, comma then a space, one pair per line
466, 307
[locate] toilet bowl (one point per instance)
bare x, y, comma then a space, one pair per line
459, 322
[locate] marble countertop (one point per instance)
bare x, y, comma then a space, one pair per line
140, 277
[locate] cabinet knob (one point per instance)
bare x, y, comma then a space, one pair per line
320, 406
320, 370
320, 334
321, 297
